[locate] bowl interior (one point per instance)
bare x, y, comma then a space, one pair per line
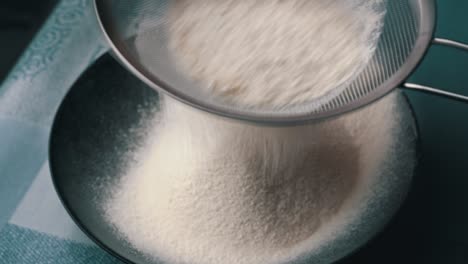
92, 136
95, 133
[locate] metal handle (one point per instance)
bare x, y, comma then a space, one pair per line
436, 91
450, 43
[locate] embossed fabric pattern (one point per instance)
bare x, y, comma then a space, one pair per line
34, 227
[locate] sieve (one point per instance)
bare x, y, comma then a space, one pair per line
407, 34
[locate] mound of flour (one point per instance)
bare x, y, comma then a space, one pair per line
208, 190
273, 53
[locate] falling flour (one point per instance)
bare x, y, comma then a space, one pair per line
273, 53
208, 190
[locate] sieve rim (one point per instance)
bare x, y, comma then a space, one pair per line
427, 24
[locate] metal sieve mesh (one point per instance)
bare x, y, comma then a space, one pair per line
406, 35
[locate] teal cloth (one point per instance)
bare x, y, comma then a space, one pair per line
431, 227
21, 245
69, 41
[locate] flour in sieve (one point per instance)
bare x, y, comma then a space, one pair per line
272, 53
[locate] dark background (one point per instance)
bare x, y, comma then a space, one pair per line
432, 226
19, 20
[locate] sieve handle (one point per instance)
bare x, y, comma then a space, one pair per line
450, 43
432, 90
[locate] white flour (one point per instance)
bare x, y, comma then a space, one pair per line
212, 191
273, 53
209, 190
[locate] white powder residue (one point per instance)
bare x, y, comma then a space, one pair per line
273, 53
209, 191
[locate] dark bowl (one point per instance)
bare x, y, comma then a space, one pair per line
95, 133
90, 139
